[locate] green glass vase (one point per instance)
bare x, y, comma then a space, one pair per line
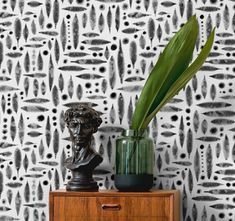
134, 161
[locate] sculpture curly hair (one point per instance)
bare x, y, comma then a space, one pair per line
86, 112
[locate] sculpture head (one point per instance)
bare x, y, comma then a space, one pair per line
82, 121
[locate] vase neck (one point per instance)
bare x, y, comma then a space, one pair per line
135, 133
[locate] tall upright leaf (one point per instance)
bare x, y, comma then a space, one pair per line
184, 78
179, 52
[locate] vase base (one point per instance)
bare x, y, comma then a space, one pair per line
133, 182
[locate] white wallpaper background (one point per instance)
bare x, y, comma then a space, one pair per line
56, 52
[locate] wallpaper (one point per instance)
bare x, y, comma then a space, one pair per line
54, 53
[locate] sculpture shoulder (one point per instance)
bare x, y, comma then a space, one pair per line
91, 160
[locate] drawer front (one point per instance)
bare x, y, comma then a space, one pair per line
113, 207
96, 206
150, 206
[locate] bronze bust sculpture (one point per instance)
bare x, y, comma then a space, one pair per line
82, 121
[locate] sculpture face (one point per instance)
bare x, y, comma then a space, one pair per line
82, 121
80, 131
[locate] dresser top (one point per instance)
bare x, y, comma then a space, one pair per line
153, 192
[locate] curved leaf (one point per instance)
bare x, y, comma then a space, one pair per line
184, 78
170, 65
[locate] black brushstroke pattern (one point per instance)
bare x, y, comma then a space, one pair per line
40, 62
18, 72
51, 73
21, 129
181, 132
57, 179
92, 17
84, 20
109, 19
120, 60
204, 126
27, 193
226, 148
79, 92
41, 150
41, 20
226, 17
62, 167
189, 142
175, 20
130, 112
40, 192
56, 10
1, 53
142, 43
117, 18
18, 202
133, 53
70, 87
209, 161
25, 163
35, 87
56, 51
112, 72
48, 132
75, 31
109, 149
120, 107
74, 8
15, 103
63, 35
1, 183
189, 9
13, 128
48, 7
9, 66
184, 203
56, 142
55, 96
17, 29
101, 23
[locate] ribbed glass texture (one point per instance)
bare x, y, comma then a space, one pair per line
134, 153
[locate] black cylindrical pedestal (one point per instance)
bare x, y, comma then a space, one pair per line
82, 181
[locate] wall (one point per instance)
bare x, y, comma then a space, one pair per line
56, 52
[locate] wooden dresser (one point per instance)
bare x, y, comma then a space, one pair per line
159, 205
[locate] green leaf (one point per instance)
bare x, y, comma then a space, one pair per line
170, 65
184, 78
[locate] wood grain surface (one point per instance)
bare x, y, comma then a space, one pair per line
115, 206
